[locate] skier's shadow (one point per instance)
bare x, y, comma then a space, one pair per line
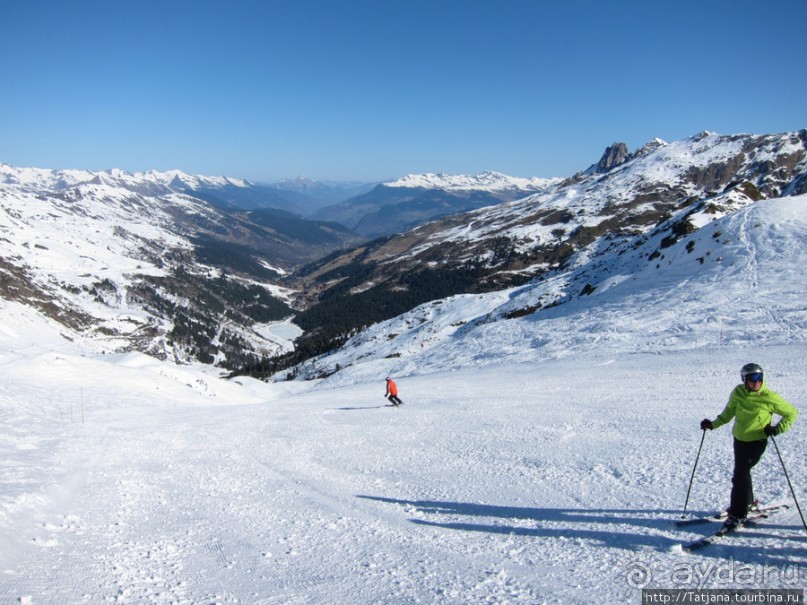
541, 522
601, 525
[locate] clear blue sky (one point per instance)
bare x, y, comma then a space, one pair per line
376, 89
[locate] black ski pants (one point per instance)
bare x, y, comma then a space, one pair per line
746, 455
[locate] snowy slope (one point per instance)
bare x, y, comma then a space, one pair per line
94, 233
116, 258
573, 234
737, 280
537, 459
686, 167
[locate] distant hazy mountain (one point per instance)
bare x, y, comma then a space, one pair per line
301, 196
400, 205
310, 195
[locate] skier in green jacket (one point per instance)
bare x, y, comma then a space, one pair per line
752, 405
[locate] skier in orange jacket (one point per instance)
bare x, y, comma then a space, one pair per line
392, 392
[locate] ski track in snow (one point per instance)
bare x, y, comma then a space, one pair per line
516, 484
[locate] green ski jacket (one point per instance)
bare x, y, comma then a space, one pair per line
753, 412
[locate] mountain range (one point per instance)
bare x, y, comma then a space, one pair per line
582, 234
134, 261
183, 268
405, 203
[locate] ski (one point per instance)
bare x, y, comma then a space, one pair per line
722, 515
706, 541
718, 535
723, 531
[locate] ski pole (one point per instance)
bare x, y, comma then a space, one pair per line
792, 491
692, 478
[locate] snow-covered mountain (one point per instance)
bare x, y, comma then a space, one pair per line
581, 235
300, 196
152, 181
486, 181
738, 280
129, 262
399, 205
135, 262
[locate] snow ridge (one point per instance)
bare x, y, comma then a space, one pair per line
486, 181
37, 179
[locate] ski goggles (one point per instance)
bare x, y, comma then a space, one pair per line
755, 377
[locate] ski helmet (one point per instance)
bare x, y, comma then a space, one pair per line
750, 368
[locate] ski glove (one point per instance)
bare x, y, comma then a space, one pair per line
771, 430
706, 424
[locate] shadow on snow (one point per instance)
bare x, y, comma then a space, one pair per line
593, 525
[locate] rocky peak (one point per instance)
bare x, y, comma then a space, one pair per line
614, 155
650, 147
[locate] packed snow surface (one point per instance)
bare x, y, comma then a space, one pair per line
538, 459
